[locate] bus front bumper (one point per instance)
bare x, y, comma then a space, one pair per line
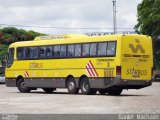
10, 82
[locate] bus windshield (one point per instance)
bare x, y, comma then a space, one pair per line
10, 57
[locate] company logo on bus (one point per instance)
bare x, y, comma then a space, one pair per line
137, 48
136, 73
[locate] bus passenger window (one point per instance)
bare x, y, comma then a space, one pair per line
102, 49
85, 49
49, 51
77, 50
63, 51
20, 53
93, 49
70, 52
35, 54
111, 48
28, 52
56, 51
42, 52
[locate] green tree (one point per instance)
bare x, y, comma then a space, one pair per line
3, 52
9, 35
148, 13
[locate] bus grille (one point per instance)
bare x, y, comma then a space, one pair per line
108, 74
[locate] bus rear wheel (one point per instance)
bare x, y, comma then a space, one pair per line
85, 87
71, 86
22, 87
49, 90
114, 91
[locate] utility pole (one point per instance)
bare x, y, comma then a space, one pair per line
114, 17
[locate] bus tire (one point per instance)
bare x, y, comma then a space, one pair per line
49, 90
115, 91
85, 87
21, 85
102, 91
71, 86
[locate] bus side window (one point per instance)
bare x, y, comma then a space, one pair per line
20, 53
52, 51
63, 51
42, 52
56, 51
102, 49
85, 49
28, 52
111, 48
77, 50
70, 52
35, 53
93, 49
49, 51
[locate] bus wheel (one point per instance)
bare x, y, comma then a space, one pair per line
49, 90
85, 87
114, 91
71, 86
22, 87
102, 91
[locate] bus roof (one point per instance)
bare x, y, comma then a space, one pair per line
67, 39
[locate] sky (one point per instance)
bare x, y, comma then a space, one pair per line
68, 16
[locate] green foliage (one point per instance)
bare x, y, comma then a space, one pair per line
9, 35
148, 13
3, 52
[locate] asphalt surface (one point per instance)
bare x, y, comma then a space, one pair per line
144, 101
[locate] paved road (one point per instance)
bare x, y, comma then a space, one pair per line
146, 100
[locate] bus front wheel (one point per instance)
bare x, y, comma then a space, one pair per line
22, 87
85, 87
71, 86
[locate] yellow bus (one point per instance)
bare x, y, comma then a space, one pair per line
107, 64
